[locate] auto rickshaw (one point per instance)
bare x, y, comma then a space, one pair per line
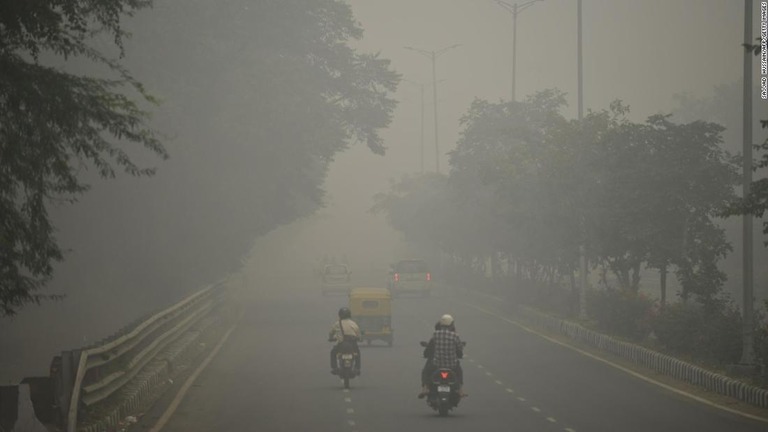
372, 311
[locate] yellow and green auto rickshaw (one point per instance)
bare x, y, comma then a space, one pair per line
372, 310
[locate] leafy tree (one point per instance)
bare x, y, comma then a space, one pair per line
756, 203
259, 98
54, 123
262, 96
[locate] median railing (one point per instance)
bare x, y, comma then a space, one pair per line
664, 364
99, 373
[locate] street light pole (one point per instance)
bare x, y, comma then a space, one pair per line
433, 55
515, 9
748, 351
421, 137
583, 247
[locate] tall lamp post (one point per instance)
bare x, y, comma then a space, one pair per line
583, 247
515, 9
748, 351
421, 137
433, 55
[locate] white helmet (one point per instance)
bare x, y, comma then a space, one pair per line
446, 320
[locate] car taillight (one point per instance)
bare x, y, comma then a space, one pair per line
397, 277
429, 276
443, 374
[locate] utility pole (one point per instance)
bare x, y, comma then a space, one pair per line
583, 246
421, 138
748, 351
515, 9
433, 55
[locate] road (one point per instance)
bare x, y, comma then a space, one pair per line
273, 374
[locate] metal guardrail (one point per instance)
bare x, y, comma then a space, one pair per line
661, 363
104, 369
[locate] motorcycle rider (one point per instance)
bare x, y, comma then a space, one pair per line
346, 334
444, 350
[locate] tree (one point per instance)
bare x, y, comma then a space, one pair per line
756, 203
257, 99
54, 123
261, 97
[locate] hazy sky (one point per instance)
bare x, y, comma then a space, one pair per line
642, 52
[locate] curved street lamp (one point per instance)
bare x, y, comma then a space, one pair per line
515, 10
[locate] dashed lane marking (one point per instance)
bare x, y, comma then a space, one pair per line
498, 382
551, 420
509, 390
535, 409
350, 410
521, 399
619, 367
347, 400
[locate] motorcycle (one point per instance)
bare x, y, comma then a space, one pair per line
346, 360
443, 393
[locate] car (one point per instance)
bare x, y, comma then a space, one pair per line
336, 278
410, 276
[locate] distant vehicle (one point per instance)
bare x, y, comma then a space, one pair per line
410, 276
336, 278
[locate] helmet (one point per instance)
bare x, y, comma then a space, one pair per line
345, 313
446, 320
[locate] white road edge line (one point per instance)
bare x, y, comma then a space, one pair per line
188, 383
621, 368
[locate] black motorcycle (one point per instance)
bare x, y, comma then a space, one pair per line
346, 359
443, 393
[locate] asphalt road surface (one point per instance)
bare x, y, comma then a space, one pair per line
273, 374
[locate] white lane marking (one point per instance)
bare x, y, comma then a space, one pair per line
350, 410
479, 366
551, 420
619, 367
351, 422
346, 390
188, 383
489, 374
471, 360
509, 390
347, 400
498, 382
521, 399
535, 409
569, 430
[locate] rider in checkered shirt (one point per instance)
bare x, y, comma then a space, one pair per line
443, 351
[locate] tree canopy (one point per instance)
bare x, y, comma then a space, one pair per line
52, 122
531, 187
257, 98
